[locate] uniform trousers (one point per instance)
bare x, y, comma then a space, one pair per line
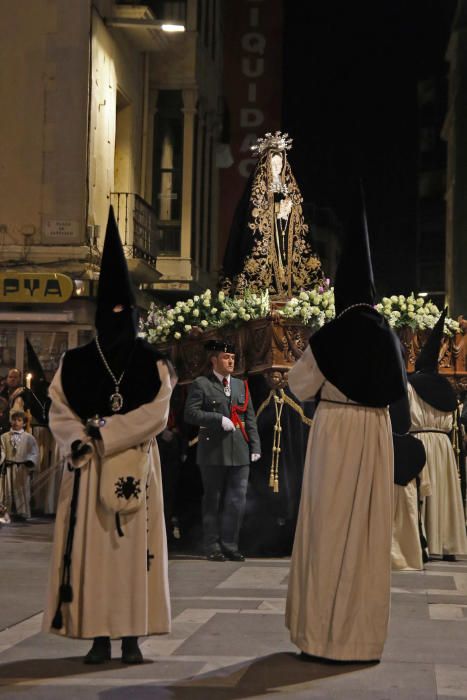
223, 505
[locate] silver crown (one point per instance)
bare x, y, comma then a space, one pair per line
277, 141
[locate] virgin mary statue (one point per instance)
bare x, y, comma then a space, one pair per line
269, 245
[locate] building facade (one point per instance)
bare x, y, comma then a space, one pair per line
455, 133
103, 103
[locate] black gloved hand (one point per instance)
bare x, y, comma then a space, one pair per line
93, 432
79, 449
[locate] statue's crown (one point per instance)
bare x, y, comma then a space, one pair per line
278, 141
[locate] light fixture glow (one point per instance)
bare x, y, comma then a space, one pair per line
28, 380
173, 27
79, 287
423, 294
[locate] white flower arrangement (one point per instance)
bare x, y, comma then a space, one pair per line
414, 312
312, 308
203, 311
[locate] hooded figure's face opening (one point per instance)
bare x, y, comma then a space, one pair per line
121, 307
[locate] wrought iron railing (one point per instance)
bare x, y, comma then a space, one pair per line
137, 223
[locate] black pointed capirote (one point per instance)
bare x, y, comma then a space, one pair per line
354, 283
431, 386
358, 352
85, 379
428, 358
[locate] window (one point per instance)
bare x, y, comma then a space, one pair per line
168, 169
49, 346
7, 351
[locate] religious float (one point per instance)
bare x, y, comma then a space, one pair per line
272, 295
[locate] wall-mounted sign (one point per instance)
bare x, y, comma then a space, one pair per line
35, 288
61, 231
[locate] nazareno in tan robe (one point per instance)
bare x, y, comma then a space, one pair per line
339, 586
443, 512
114, 594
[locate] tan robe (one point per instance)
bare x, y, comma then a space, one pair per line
443, 511
339, 585
406, 551
114, 594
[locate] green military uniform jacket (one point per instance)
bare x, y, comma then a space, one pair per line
205, 405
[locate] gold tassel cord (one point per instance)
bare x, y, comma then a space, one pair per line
276, 444
455, 439
280, 399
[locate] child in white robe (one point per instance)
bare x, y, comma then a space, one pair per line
19, 457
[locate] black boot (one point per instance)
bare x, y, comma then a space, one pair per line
131, 653
99, 653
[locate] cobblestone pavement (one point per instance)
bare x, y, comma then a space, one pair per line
228, 640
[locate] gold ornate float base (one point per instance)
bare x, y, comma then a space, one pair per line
270, 346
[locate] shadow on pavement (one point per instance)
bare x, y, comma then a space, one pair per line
251, 678
41, 669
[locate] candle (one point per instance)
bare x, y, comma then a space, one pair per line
28, 380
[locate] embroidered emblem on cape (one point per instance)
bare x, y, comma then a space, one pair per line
127, 487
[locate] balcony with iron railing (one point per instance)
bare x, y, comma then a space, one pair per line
137, 224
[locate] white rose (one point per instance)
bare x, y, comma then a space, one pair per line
187, 327
329, 313
159, 328
247, 317
394, 299
180, 319
190, 302
196, 298
206, 302
214, 310
177, 335
221, 296
196, 313
204, 323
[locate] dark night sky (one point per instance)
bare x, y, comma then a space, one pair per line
350, 103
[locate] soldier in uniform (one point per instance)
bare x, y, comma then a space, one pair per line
228, 440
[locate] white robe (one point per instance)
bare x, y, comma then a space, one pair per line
443, 512
15, 480
114, 594
339, 585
